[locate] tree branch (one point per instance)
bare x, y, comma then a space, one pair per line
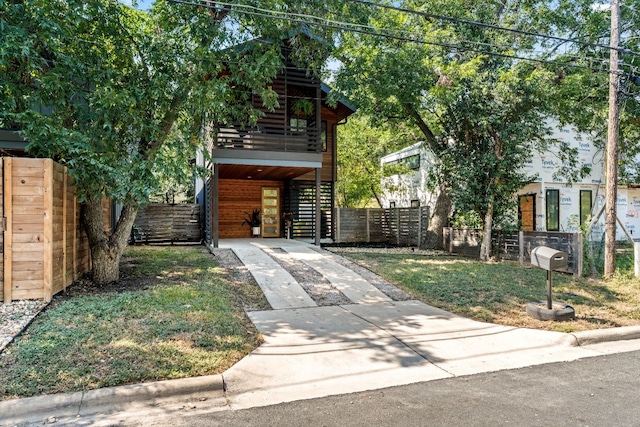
424, 128
135, 45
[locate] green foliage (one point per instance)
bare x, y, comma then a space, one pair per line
362, 142
125, 98
481, 115
468, 219
252, 219
583, 97
126, 92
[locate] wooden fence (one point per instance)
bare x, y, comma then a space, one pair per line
44, 249
398, 226
516, 246
167, 223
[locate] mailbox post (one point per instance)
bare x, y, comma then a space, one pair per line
548, 259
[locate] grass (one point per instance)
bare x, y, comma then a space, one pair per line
174, 314
498, 292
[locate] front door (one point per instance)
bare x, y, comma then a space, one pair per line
527, 212
270, 212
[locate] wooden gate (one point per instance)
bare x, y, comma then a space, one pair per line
43, 247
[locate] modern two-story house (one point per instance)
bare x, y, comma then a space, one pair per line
285, 163
547, 204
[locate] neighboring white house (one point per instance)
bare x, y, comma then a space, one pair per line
547, 204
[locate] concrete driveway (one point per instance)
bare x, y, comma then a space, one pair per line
375, 342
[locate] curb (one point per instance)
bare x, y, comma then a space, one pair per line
597, 336
109, 399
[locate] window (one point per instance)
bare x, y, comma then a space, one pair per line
415, 203
585, 206
412, 162
298, 125
323, 135
392, 204
553, 210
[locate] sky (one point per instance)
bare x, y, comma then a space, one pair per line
142, 4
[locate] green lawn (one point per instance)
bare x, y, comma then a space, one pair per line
498, 292
174, 314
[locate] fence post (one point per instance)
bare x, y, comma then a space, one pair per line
450, 240
64, 228
636, 258
337, 215
579, 254
367, 220
398, 226
47, 264
521, 247
419, 226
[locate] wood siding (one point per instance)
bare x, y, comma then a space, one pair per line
329, 164
237, 197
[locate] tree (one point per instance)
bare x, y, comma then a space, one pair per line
496, 121
362, 144
120, 96
479, 106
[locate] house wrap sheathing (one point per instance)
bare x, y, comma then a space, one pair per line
548, 204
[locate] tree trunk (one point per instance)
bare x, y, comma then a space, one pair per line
439, 219
106, 248
485, 247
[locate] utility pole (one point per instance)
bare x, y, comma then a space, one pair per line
612, 144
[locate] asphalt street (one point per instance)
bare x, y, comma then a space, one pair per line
597, 391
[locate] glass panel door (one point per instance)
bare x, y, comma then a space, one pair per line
270, 212
585, 206
553, 210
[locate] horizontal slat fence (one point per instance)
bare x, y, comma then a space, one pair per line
44, 248
516, 246
397, 226
164, 223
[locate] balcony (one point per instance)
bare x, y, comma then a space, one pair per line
288, 139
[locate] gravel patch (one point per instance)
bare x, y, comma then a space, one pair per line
319, 289
15, 316
383, 285
387, 250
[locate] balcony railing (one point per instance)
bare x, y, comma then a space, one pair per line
282, 138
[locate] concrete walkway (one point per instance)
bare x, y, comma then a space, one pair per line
373, 343
312, 351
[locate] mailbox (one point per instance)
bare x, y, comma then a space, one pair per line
548, 258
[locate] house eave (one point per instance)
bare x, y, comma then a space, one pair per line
267, 158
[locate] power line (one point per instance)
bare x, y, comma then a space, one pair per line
337, 25
490, 26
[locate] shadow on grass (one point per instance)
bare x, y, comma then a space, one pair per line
484, 290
